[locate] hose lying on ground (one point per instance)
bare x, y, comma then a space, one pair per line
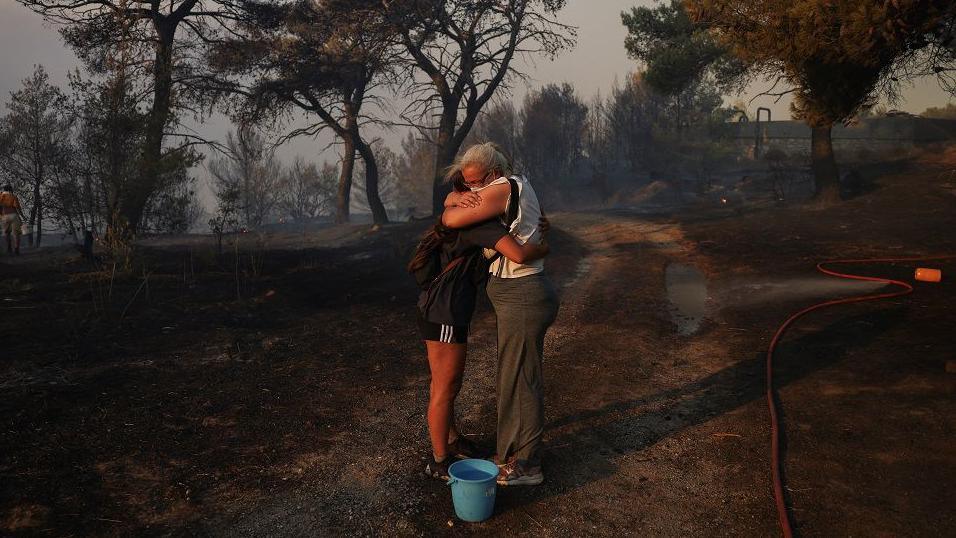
783, 514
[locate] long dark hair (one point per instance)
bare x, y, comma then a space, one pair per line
437, 234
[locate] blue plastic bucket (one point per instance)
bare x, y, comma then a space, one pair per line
473, 485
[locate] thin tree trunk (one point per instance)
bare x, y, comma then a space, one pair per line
444, 157
32, 222
379, 215
39, 228
138, 196
345, 181
35, 215
826, 176
450, 141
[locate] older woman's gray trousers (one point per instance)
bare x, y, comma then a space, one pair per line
525, 308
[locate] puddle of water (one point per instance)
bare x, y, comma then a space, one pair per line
687, 292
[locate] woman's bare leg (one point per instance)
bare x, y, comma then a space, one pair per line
447, 364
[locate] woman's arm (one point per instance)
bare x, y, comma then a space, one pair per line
492, 204
518, 253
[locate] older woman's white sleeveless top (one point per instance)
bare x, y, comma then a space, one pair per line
523, 229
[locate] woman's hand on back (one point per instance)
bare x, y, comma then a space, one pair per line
469, 199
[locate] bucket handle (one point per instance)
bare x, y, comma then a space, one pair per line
451, 480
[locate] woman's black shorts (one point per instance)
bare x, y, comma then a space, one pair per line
436, 332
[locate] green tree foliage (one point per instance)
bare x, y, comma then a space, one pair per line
648, 127
77, 156
675, 51
836, 56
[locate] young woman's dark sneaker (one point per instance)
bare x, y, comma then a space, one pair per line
517, 474
437, 469
463, 448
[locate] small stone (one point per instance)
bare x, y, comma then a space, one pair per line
451, 523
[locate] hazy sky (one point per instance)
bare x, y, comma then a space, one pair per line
598, 60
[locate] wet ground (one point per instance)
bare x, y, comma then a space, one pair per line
284, 395
686, 289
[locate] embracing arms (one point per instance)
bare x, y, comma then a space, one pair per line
468, 208
518, 253
464, 209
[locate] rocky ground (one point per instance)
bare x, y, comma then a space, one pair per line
283, 395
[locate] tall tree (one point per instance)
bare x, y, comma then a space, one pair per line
837, 56
324, 58
108, 141
634, 112
105, 159
157, 41
553, 123
461, 52
35, 134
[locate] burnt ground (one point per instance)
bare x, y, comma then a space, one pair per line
284, 396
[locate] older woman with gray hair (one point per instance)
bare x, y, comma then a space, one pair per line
525, 303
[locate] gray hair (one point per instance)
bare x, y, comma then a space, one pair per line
489, 157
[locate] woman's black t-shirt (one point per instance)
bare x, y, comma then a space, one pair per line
454, 302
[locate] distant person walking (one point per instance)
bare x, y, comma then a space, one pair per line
11, 219
525, 304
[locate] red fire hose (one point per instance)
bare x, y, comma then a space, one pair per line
905, 288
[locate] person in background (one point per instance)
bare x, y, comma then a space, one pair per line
11, 219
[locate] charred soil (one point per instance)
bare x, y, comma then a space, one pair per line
280, 389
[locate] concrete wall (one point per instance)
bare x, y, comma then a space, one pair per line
872, 135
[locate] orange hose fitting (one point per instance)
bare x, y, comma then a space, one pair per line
924, 274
